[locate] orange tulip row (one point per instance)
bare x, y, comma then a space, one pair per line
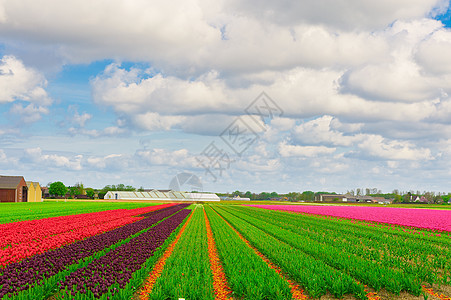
220, 285
431, 292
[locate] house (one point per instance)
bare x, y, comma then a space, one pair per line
414, 198
34, 191
45, 192
423, 199
13, 189
330, 198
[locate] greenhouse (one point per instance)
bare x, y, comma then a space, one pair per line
161, 195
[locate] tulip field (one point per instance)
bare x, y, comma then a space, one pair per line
223, 251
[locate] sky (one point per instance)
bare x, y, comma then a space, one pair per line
252, 95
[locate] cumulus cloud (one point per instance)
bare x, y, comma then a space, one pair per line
377, 146
361, 14
3, 158
108, 131
81, 119
321, 131
19, 83
287, 150
158, 156
434, 52
357, 81
30, 113
110, 162
36, 157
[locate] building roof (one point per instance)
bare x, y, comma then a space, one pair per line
10, 182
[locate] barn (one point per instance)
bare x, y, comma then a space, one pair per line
34, 191
13, 189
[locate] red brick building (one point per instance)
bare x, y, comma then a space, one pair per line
13, 189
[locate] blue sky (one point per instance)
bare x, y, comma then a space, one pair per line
110, 92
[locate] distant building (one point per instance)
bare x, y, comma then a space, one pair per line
34, 191
238, 198
161, 195
331, 198
13, 189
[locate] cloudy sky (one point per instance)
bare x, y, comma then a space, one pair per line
250, 95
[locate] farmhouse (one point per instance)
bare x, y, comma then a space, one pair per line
161, 195
13, 189
34, 191
330, 197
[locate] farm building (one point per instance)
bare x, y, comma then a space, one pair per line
13, 189
162, 195
34, 191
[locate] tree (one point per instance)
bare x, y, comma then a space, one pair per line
90, 193
248, 194
397, 198
57, 188
238, 194
308, 196
358, 192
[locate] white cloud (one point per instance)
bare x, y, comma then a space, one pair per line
257, 163
110, 162
287, 150
363, 84
80, 120
36, 157
354, 14
377, 146
179, 158
152, 121
320, 131
17, 82
3, 158
434, 52
108, 131
30, 113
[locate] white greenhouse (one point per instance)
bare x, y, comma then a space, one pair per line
161, 195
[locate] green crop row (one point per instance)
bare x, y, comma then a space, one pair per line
417, 257
187, 272
248, 275
367, 271
313, 274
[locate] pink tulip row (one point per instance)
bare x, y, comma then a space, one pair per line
433, 219
24, 239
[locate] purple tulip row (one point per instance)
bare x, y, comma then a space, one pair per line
32, 271
118, 266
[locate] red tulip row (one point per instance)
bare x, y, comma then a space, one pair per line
25, 239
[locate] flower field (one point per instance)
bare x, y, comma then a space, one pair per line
411, 217
198, 251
